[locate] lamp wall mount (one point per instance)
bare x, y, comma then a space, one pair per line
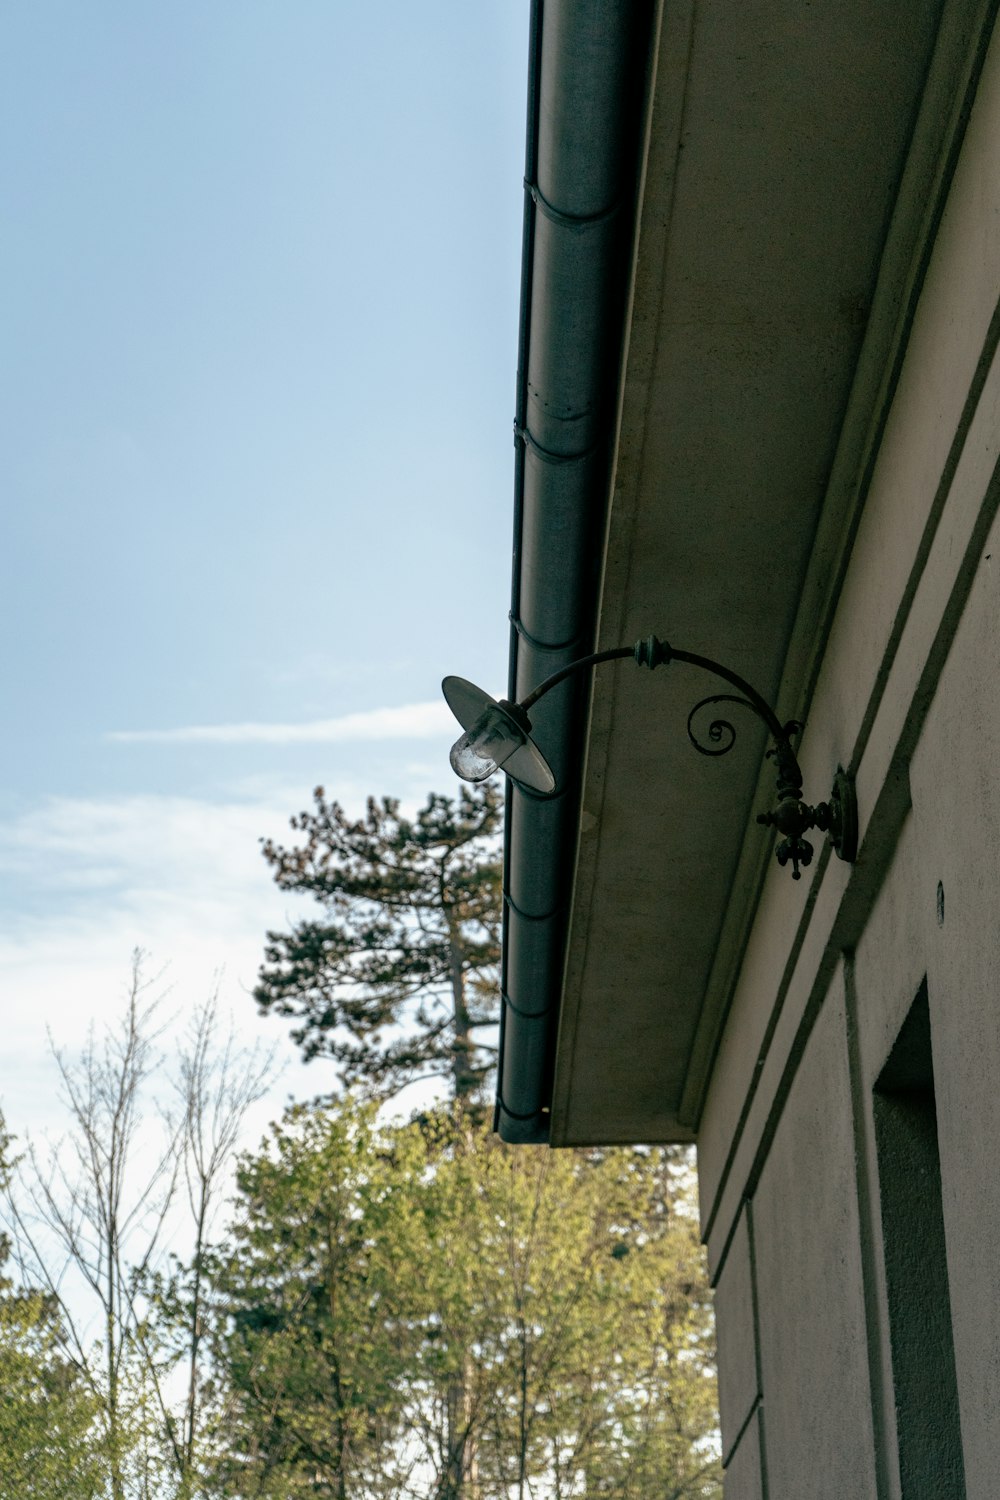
497, 736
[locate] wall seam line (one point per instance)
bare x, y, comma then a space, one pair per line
969, 410
755, 1317
867, 1232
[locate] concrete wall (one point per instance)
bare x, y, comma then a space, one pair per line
850, 1142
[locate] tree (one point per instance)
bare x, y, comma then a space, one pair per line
47, 1416
80, 1212
88, 1220
577, 1280
398, 977
313, 1299
215, 1085
392, 983
375, 1270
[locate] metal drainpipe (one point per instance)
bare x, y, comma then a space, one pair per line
586, 97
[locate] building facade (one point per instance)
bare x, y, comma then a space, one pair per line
848, 1141
759, 415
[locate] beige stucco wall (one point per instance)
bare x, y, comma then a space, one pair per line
908, 699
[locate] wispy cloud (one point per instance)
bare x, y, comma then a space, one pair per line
410, 721
83, 881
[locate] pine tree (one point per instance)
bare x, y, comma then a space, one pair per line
397, 979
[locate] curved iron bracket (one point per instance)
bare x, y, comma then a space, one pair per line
792, 818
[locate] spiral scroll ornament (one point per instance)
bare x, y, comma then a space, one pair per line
720, 733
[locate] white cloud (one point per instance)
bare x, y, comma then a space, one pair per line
84, 881
410, 721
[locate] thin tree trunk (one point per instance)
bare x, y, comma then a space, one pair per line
522, 1415
462, 1477
193, 1350
111, 1352
339, 1425
463, 1075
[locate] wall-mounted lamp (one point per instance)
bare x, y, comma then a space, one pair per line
498, 737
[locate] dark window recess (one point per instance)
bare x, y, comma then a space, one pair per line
923, 1355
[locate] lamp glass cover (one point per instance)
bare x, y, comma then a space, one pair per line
484, 747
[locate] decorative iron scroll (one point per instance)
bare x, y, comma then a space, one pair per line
790, 816
720, 732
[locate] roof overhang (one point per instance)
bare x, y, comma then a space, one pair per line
783, 182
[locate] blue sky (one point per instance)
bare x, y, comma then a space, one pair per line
257, 358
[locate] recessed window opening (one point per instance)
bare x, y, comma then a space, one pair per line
923, 1355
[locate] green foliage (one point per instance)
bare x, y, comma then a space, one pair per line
398, 1311
48, 1420
398, 1296
398, 976
432, 1314
314, 1284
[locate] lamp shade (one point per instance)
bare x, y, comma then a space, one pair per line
497, 737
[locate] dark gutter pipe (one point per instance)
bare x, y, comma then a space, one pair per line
588, 69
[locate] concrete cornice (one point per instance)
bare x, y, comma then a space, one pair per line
940, 126
769, 298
